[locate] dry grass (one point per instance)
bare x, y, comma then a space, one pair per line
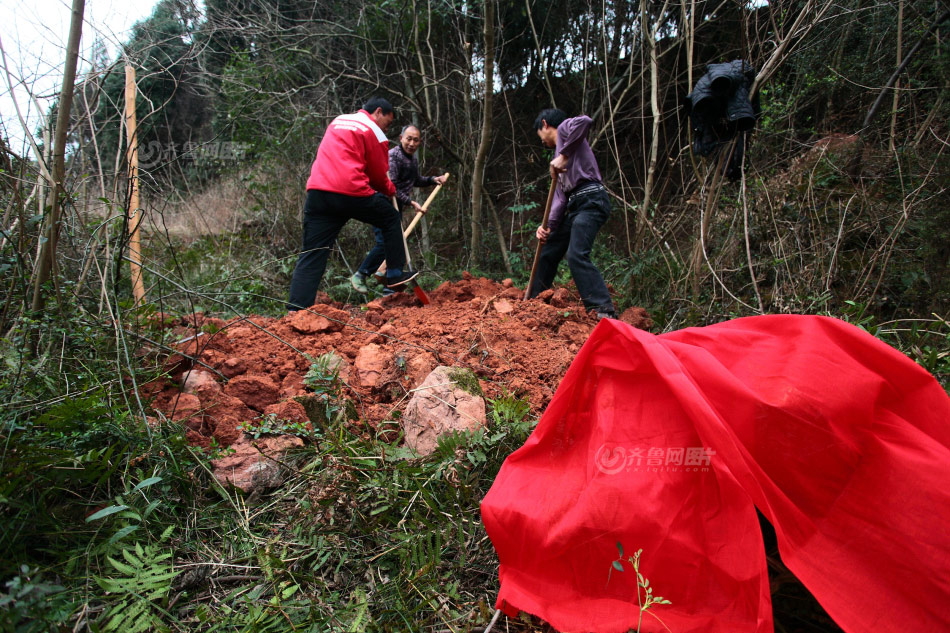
220, 208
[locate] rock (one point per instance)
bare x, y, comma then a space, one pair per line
441, 405
255, 391
304, 322
419, 366
188, 411
197, 379
337, 363
289, 411
507, 283
254, 464
292, 385
503, 306
213, 357
372, 363
321, 319
233, 367
376, 305
224, 414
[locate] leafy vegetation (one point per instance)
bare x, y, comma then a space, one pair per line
113, 522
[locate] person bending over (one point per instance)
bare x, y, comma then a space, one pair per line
404, 172
349, 180
580, 207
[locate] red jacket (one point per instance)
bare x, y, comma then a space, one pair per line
353, 158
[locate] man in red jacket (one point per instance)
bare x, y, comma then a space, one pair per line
349, 179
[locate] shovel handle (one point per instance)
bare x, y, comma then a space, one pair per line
544, 224
415, 221
425, 207
416, 288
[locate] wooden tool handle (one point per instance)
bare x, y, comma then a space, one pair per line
544, 224
425, 207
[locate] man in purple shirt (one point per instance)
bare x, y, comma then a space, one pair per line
580, 207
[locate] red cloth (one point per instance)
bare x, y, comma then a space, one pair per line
353, 158
841, 441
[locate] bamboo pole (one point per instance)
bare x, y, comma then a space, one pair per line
135, 210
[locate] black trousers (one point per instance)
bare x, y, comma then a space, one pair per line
574, 239
324, 215
376, 255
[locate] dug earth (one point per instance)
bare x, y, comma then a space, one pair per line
396, 360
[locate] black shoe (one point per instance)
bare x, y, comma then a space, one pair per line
398, 282
605, 312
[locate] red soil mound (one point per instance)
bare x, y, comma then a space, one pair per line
388, 347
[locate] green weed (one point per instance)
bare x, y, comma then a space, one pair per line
645, 598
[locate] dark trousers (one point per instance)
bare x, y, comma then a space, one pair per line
574, 238
324, 215
375, 256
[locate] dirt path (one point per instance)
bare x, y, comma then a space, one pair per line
388, 347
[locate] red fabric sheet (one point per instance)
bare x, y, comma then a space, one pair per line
668, 443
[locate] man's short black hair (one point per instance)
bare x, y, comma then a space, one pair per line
551, 116
378, 102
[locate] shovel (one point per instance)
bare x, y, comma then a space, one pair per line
380, 273
544, 224
416, 288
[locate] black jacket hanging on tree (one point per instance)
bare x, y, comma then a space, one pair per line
719, 108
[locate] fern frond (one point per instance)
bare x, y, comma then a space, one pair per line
143, 582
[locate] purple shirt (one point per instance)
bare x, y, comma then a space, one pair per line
581, 164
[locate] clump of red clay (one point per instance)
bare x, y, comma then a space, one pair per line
387, 348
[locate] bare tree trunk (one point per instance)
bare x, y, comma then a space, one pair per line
48, 252
649, 37
422, 67
707, 206
433, 116
541, 61
892, 145
44, 186
478, 170
501, 237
